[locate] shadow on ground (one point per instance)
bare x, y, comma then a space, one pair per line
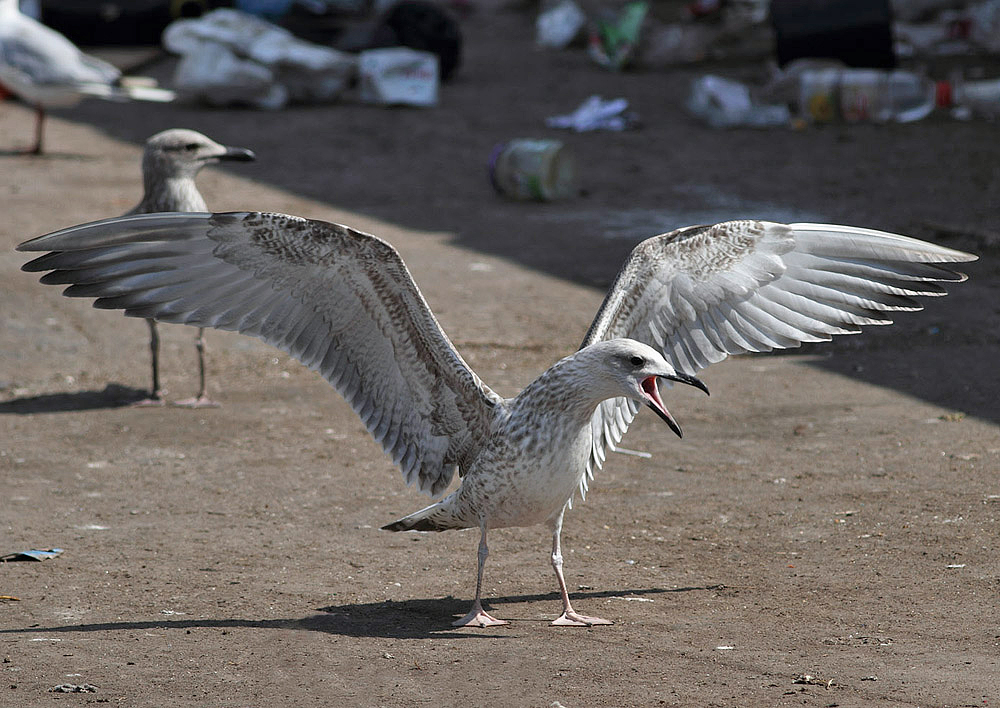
111, 396
407, 619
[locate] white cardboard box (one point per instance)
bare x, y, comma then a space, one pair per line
398, 75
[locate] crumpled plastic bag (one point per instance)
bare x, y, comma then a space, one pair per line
725, 103
214, 74
558, 25
595, 113
231, 57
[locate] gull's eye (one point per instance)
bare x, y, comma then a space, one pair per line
637, 361
191, 147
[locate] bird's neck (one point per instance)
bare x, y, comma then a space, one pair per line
564, 390
172, 194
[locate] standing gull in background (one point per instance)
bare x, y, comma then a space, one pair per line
345, 305
48, 71
170, 162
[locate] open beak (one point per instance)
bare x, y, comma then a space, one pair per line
656, 403
237, 155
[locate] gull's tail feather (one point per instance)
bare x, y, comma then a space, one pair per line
436, 517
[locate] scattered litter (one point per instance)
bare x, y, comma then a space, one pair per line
914, 10
956, 565
952, 417
172, 612
613, 41
810, 91
387, 655
724, 648
873, 677
948, 29
725, 103
671, 44
557, 26
9, 598
214, 74
74, 688
826, 91
730, 30
812, 680
231, 57
32, 555
533, 169
595, 113
398, 76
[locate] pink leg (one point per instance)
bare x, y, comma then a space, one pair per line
478, 617
39, 122
35, 149
156, 395
569, 617
201, 400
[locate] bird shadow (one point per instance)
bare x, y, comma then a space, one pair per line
406, 619
111, 396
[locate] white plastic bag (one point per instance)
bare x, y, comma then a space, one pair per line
559, 25
724, 103
245, 50
212, 73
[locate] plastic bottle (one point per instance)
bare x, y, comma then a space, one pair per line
823, 91
867, 95
980, 98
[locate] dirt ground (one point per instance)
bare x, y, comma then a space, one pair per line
826, 534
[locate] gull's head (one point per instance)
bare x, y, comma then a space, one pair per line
631, 369
179, 152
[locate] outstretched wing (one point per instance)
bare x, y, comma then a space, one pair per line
701, 293
340, 301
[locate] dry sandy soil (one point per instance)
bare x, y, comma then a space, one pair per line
830, 514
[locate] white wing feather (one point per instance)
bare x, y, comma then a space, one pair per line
700, 294
339, 300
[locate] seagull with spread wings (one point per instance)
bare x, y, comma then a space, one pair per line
46, 70
344, 304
